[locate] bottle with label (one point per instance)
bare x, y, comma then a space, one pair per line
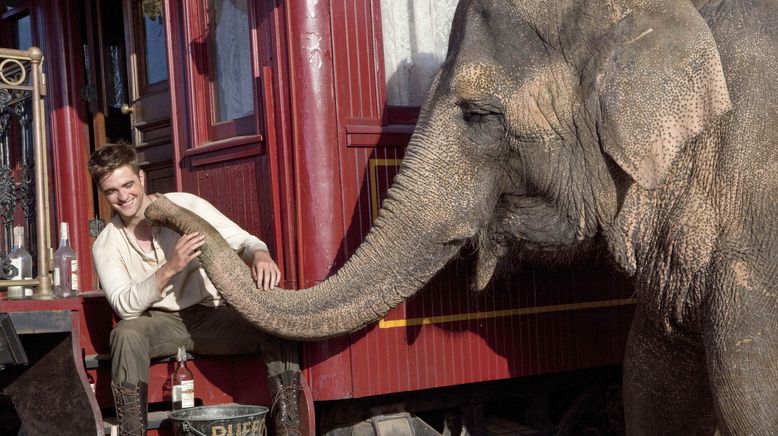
183, 383
65, 266
21, 259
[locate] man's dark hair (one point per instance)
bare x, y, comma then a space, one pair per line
109, 157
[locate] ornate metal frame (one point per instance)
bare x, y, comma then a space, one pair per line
22, 81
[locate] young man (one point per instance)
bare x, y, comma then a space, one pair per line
153, 281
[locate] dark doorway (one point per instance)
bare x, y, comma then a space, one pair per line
127, 90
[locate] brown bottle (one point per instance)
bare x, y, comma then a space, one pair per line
183, 383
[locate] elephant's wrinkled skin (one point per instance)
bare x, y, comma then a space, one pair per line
650, 125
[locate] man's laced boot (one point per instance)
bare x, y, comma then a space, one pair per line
131, 408
287, 391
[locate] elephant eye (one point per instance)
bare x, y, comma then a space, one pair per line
476, 114
476, 117
485, 123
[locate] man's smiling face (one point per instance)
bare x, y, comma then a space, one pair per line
125, 191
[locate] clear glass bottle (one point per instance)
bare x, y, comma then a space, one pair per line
183, 383
65, 266
21, 259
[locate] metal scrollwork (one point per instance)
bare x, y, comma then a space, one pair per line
23, 111
6, 181
5, 97
5, 114
5, 122
17, 72
7, 203
27, 190
7, 270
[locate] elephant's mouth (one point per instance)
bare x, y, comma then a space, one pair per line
525, 227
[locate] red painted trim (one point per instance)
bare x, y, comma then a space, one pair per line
40, 305
224, 155
378, 60
68, 134
197, 61
177, 85
377, 139
396, 129
272, 150
368, 133
229, 129
265, 35
280, 146
223, 145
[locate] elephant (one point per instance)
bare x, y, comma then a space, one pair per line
644, 128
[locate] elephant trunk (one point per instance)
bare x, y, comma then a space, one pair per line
370, 284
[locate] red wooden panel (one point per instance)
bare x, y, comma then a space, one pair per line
359, 83
232, 187
329, 369
97, 320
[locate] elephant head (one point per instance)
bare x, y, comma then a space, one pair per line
543, 119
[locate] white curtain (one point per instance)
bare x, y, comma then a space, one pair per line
415, 43
233, 58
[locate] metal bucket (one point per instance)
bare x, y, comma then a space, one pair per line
220, 420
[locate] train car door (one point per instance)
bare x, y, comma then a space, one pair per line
127, 84
149, 93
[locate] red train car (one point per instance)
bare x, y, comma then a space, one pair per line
292, 118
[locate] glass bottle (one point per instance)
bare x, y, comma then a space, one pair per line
183, 383
65, 266
21, 259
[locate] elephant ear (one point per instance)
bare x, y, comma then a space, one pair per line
661, 85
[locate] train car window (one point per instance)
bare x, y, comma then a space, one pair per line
15, 25
415, 40
230, 59
22, 33
154, 43
222, 69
